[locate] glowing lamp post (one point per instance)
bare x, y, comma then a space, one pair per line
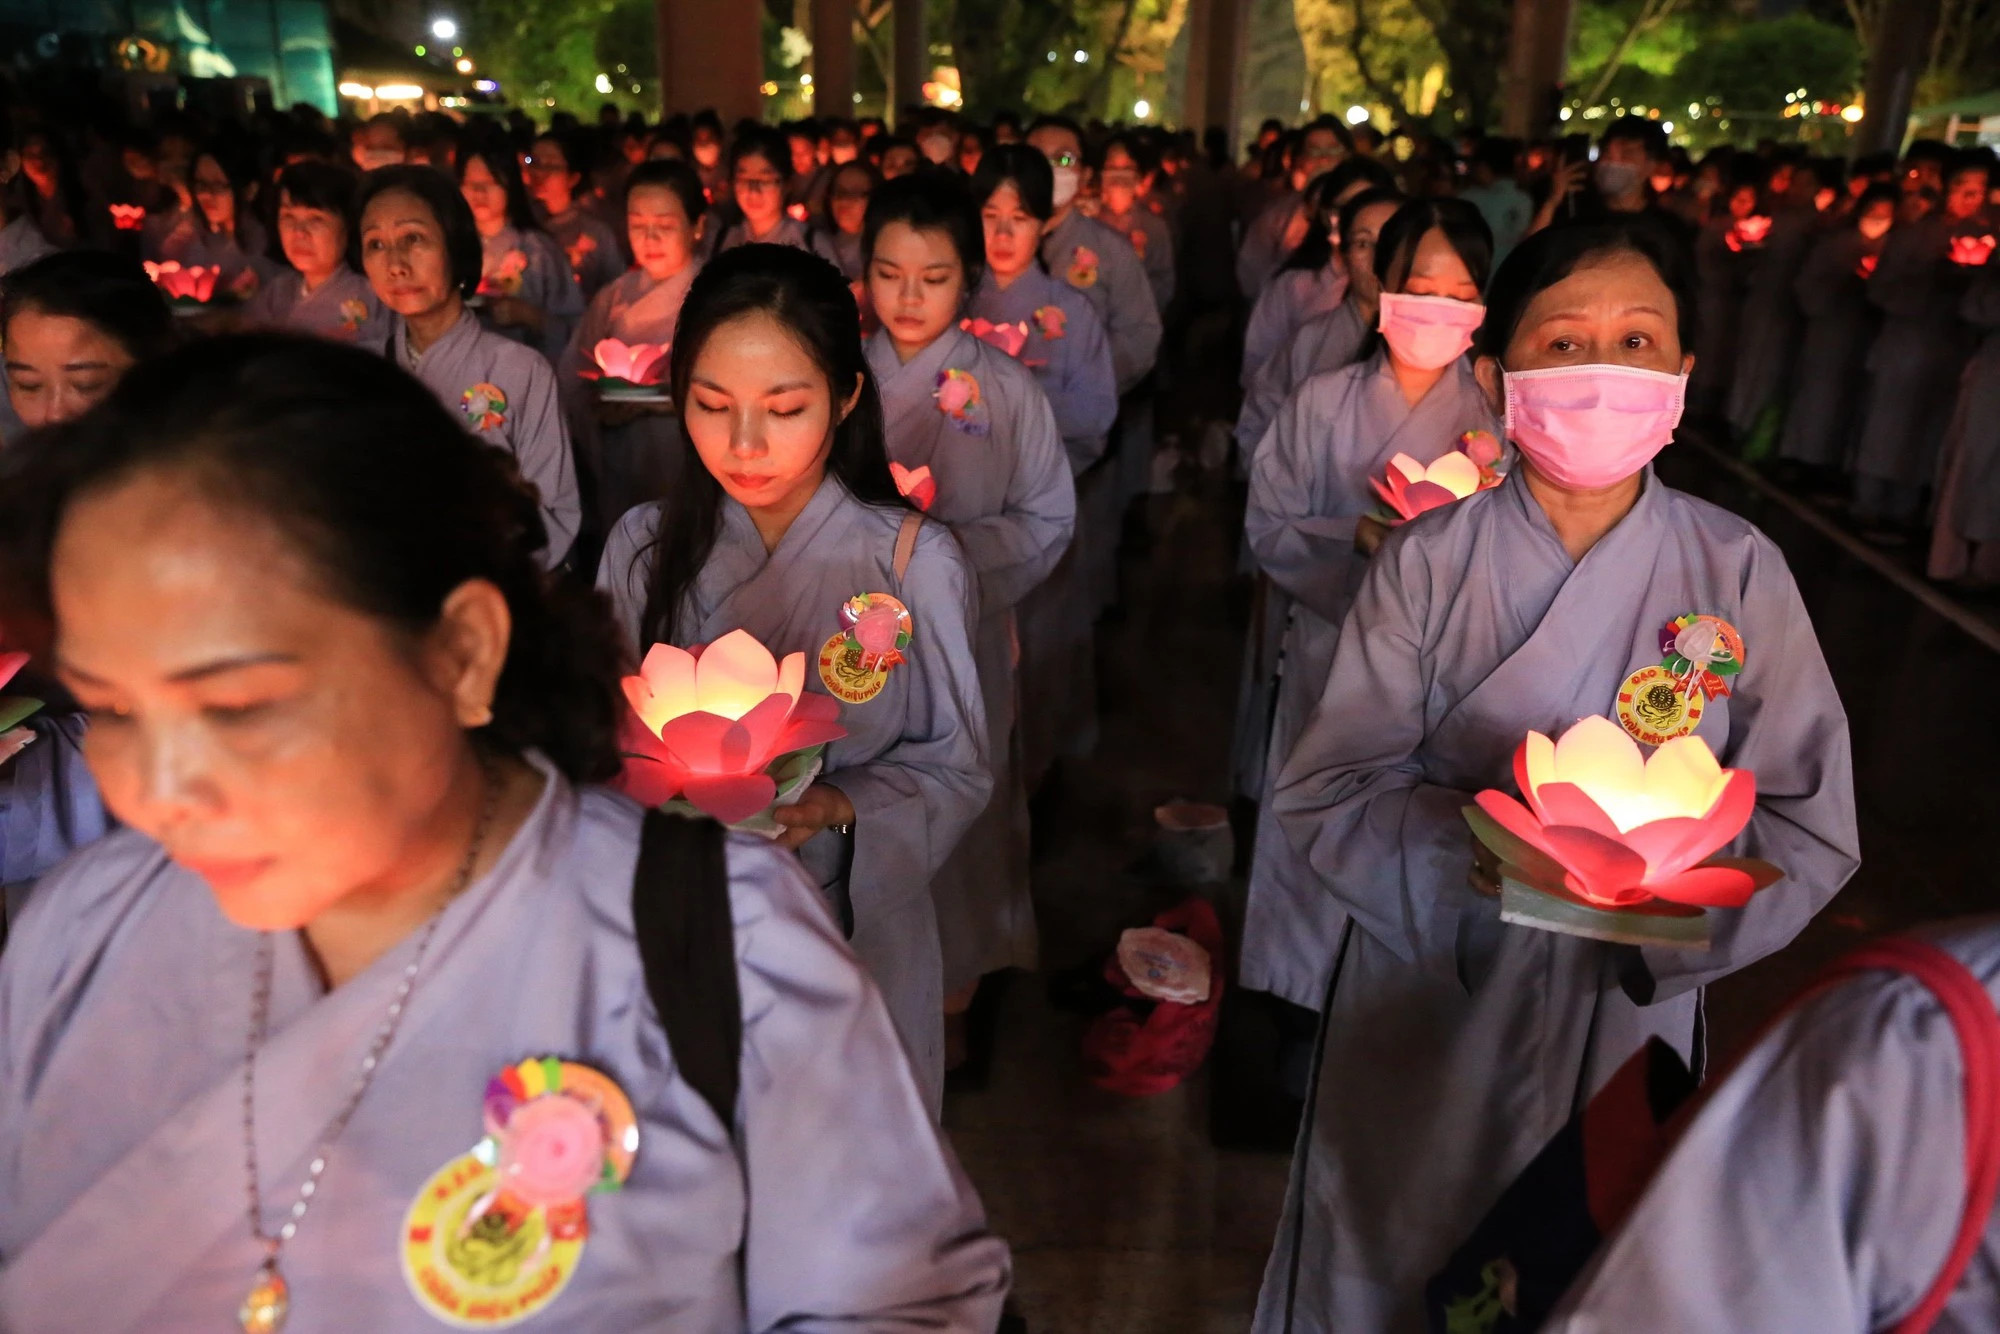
1617, 846
725, 729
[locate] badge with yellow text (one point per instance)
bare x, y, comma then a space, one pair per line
496, 1234
855, 664
1653, 709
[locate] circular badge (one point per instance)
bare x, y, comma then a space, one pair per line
485, 405
477, 1266
845, 677
1652, 710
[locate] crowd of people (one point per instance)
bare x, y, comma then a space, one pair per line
385, 502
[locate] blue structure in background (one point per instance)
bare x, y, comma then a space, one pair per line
287, 44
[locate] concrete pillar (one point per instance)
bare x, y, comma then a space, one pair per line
1537, 63
1194, 75
913, 60
833, 57
711, 55
1896, 61
1224, 65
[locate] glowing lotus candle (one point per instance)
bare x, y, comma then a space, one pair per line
634, 363
1009, 338
1621, 830
1748, 233
708, 724
916, 484
128, 217
1972, 252
1411, 488
1866, 268
194, 283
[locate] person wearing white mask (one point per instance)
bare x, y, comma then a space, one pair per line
1312, 532
1453, 1045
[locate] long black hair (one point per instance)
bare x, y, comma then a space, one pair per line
109, 292
326, 186
1549, 256
447, 205
1026, 170
930, 201
1463, 226
302, 431
812, 300
1323, 207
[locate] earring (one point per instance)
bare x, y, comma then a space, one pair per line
480, 716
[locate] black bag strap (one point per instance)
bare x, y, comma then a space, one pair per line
687, 948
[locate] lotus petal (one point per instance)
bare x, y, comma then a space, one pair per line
1518, 822
731, 798
1534, 765
765, 725
1569, 806
1672, 845
1391, 496
1682, 777
816, 708
734, 674
10, 663
1707, 887
1599, 757
1425, 496
792, 676
1411, 470
1456, 473
1601, 869
801, 733
650, 774
697, 740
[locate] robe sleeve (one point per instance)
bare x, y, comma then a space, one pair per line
1264, 396
1829, 269
1270, 320
1904, 280
626, 567
1086, 395
859, 1216
49, 804
930, 785
1133, 324
1787, 726
1819, 1189
1258, 257
1160, 266
555, 291
1391, 847
540, 441
1013, 551
1309, 555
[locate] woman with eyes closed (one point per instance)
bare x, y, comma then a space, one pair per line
421, 249
526, 289
974, 417
1311, 529
787, 513
371, 900
1453, 1046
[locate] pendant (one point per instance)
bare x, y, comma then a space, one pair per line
268, 1303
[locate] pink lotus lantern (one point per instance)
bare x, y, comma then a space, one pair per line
1411, 488
1618, 846
628, 363
1972, 252
17, 708
193, 284
916, 484
720, 726
1748, 233
1866, 268
1009, 338
128, 217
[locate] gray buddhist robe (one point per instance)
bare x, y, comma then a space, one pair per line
1071, 359
49, 806
840, 250
528, 266
1914, 366
1821, 418
1152, 240
343, 307
1291, 298
1308, 490
21, 244
463, 368
184, 237
1823, 1183
635, 461
1263, 247
1771, 319
830, 1202
1722, 275
1007, 496
1101, 264
1453, 1046
595, 253
914, 759
1323, 342
1967, 531
789, 231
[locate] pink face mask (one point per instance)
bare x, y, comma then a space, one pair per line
1588, 427
1429, 332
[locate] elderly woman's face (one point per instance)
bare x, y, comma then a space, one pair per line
1613, 310
284, 746
404, 254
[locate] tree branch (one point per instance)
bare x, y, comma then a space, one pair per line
1357, 34
1651, 14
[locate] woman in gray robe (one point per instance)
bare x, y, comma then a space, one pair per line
556, 169
321, 293
1310, 524
397, 918
527, 292
1453, 1046
635, 448
1965, 537
760, 166
1822, 1185
1071, 358
1914, 366
1832, 292
804, 518
215, 229
422, 251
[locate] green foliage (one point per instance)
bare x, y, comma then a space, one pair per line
1753, 66
555, 49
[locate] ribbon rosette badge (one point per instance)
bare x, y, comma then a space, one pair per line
619, 362
1009, 338
1618, 846
1051, 323
726, 728
1410, 488
1702, 652
916, 484
958, 398
496, 1234
353, 313
1083, 267
1972, 252
485, 405
190, 285
505, 280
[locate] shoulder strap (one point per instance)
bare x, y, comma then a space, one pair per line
1973, 1020
906, 544
687, 948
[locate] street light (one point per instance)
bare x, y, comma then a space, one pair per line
1083, 57
1357, 115
443, 29
1142, 108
